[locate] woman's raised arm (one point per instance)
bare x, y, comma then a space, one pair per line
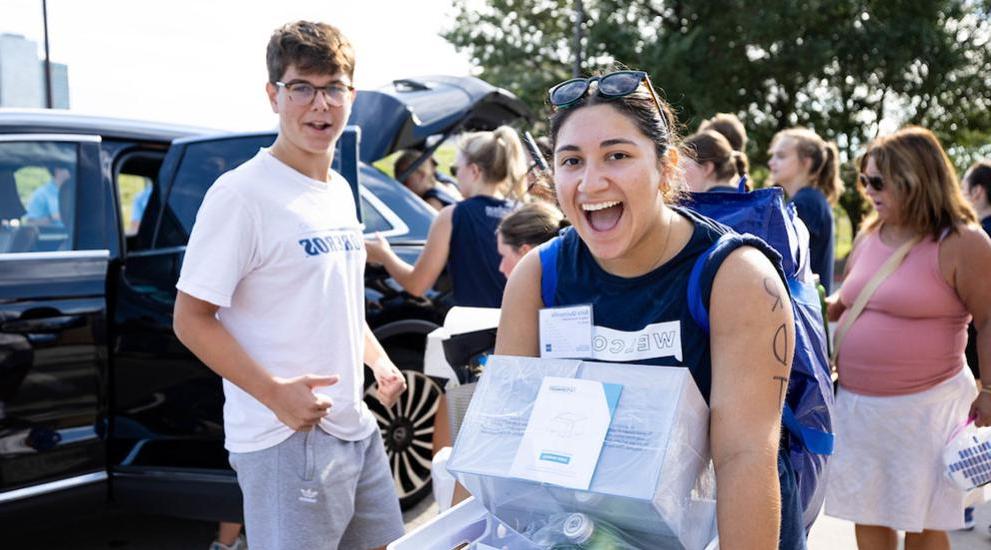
417, 279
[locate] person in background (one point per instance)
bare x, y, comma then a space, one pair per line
138, 209
808, 169
711, 164
43, 204
423, 182
491, 170
530, 226
629, 256
903, 383
977, 188
730, 126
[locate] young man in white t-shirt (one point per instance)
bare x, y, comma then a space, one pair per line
271, 298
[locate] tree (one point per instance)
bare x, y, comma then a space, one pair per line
846, 68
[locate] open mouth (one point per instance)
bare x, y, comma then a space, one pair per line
603, 216
319, 126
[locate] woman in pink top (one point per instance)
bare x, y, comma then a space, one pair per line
904, 385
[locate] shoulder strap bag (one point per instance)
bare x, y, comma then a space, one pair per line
860, 303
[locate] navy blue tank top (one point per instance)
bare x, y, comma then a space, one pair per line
641, 319
473, 260
646, 320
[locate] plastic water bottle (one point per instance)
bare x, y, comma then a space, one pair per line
581, 531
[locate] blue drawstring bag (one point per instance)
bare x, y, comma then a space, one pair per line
807, 414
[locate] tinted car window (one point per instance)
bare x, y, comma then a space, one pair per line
386, 206
202, 163
37, 195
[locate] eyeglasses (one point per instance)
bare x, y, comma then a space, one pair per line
875, 182
611, 86
303, 92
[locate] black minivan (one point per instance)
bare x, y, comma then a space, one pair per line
97, 396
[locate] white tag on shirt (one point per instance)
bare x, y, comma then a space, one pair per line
566, 332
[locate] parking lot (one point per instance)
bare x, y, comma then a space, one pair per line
121, 529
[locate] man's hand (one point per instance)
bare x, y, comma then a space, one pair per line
294, 403
390, 384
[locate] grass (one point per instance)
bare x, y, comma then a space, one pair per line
843, 232
444, 155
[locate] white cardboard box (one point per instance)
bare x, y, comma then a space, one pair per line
654, 477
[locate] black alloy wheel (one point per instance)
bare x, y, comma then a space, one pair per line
407, 430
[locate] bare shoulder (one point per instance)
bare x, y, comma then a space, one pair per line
746, 278
745, 267
521, 302
966, 239
524, 281
446, 214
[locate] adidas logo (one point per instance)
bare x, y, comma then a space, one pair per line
308, 496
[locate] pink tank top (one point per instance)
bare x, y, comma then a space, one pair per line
912, 334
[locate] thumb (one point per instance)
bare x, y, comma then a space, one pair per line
316, 381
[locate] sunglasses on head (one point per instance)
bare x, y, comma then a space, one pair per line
874, 182
610, 86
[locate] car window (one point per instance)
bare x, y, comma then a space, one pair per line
135, 192
37, 196
379, 218
202, 163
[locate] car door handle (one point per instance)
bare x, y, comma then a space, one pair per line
44, 324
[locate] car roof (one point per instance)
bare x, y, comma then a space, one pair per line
406, 112
58, 121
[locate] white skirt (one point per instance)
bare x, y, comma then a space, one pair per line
887, 466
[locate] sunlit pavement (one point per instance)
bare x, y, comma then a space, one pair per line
837, 534
827, 533
122, 530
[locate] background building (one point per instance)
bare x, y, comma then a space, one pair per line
22, 76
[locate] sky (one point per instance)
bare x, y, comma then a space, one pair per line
202, 62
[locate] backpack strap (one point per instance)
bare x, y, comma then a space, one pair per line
548, 270
704, 271
741, 186
699, 291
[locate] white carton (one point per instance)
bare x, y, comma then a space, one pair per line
653, 480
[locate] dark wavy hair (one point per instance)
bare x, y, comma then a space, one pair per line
660, 127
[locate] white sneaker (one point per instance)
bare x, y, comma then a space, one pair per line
239, 544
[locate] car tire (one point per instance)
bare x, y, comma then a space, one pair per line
407, 427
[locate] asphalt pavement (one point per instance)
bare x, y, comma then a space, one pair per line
113, 529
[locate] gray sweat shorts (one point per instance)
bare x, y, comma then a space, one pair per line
314, 490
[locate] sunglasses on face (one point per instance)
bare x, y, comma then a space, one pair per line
610, 86
874, 182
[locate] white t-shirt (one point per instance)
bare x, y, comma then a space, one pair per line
283, 256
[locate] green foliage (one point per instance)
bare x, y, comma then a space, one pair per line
444, 155
28, 180
849, 69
